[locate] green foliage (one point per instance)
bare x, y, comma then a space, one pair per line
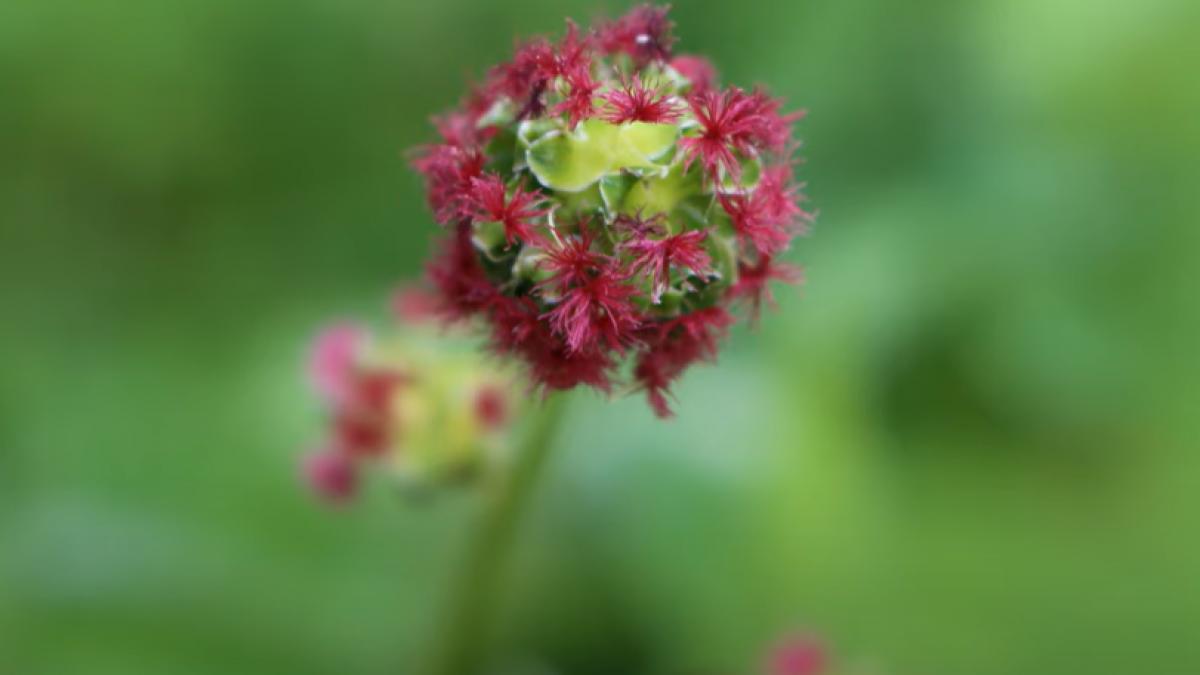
967, 446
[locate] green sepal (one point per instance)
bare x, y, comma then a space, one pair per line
574, 205
530, 131
652, 196
501, 114
613, 190
571, 162
722, 250
751, 172
501, 151
528, 267
489, 238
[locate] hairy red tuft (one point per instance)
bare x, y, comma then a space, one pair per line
593, 305
735, 121
574, 51
525, 77
656, 256
635, 102
780, 197
673, 346
490, 201
518, 329
596, 314
580, 101
572, 261
636, 225
753, 284
448, 172
458, 278
754, 223
644, 33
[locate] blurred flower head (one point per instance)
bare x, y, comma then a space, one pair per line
606, 201
420, 402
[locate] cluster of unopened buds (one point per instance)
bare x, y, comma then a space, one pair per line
420, 401
608, 202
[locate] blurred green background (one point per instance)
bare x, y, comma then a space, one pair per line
968, 445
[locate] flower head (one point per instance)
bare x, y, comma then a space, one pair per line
605, 200
414, 401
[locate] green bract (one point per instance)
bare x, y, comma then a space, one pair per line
573, 161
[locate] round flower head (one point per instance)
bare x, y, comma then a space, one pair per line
421, 402
607, 201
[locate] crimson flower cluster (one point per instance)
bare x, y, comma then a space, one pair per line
606, 201
410, 402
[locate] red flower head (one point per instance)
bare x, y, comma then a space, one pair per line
606, 201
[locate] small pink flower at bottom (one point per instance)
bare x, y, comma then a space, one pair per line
798, 655
331, 474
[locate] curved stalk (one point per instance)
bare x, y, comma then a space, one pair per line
465, 634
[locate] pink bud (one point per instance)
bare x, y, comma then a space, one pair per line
797, 655
333, 360
331, 475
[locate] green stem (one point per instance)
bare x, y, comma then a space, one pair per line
466, 631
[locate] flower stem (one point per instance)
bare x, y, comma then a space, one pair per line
465, 633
